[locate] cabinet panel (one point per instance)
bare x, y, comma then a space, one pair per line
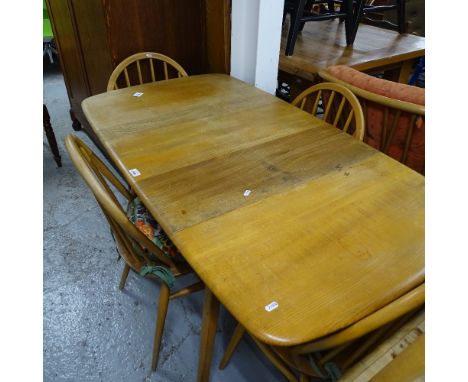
92, 34
63, 24
171, 27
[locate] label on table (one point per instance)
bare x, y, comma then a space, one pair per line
137, 94
271, 306
134, 172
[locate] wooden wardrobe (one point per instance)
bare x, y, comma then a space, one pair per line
93, 36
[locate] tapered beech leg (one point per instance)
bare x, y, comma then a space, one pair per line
405, 71
162, 311
279, 364
209, 323
233, 343
124, 276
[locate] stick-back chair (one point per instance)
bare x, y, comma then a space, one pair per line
141, 254
340, 107
329, 356
157, 65
393, 126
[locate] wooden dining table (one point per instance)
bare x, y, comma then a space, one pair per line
297, 228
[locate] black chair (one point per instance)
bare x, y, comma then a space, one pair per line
399, 5
349, 11
361, 10
303, 11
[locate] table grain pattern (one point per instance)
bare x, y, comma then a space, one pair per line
332, 229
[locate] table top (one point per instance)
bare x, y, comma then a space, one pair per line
331, 230
323, 43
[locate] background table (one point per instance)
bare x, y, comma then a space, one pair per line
323, 44
331, 230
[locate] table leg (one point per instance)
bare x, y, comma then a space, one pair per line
405, 71
208, 332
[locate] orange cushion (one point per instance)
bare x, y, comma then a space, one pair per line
375, 85
374, 115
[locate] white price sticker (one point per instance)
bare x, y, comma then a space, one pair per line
134, 172
247, 193
271, 306
137, 94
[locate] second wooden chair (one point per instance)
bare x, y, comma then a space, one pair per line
329, 356
394, 114
340, 107
139, 239
149, 67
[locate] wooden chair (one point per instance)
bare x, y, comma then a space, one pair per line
328, 357
50, 135
407, 366
157, 65
393, 126
141, 254
340, 106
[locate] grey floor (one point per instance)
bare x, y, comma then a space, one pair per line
93, 331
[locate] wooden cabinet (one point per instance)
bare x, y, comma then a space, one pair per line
93, 36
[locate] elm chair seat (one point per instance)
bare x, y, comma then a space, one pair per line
142, 219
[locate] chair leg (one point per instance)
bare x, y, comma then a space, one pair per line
349, 21
353, 17
232, 346
296, 16
401, 16
161, 318
280, 365
123, 278
50, 135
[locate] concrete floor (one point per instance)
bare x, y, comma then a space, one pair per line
93, 331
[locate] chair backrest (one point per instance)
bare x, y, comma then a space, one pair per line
340, 107
135, 247
358, 337
156, 66
393, 126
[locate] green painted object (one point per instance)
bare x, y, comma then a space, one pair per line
46, 27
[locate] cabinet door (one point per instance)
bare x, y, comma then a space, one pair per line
91, 27
172, 27
65, 34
